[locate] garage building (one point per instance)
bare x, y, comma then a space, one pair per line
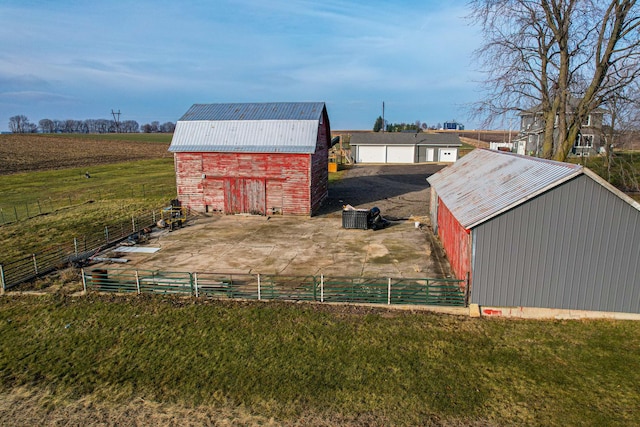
258, 158
404, 147
538, 233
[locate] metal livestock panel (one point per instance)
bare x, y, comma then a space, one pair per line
576, 246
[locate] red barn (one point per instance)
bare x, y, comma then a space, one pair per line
267, 158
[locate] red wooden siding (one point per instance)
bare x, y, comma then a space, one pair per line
455, 240
256, 182
320, 164
241, 182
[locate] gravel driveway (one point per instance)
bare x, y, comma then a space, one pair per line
399, 191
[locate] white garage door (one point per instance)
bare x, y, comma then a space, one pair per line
371, 154
448, 154
399, 154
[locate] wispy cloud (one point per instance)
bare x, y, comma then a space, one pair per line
175, 53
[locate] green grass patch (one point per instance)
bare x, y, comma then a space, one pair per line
623, 173
72, 205
284, 361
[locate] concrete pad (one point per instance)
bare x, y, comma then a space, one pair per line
289, 246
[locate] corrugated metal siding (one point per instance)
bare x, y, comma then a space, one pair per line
256, 111
249, 136
401, 138
575, 247
485, 183
455, 241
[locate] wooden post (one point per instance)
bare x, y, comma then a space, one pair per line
389, 292
467, 290
39, 208
137, 282
35, 263
322, 288
75, 245
133, 224
106, 234
84, 281
195, 282
15, 212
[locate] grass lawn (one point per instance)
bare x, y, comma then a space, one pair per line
74, 205
327, 365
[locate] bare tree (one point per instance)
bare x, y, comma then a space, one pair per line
19, 124
46, 125
564, 57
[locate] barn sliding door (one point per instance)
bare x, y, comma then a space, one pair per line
244, 195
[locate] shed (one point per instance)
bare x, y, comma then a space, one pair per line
259, 158
401, 147
538, 233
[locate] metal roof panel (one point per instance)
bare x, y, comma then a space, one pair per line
254, 136
255, 111
485, 183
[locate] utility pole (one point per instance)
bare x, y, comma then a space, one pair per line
116, 118
384, 124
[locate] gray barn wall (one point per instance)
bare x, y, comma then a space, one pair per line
575, 247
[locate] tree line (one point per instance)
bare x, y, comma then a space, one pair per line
21, 124
416, 126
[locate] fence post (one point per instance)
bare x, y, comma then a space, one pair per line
26, 205
106, 234
75, 245
4, 285
15, 212
259, 294
2, 213
84, 281
195, 282
389, 292
35, 263
322, 288
467, 291
39, 208
137, 282
133, 223
153, 216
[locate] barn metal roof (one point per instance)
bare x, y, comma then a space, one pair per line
274, 127
486, 183
255, 111
402, 138
246, 136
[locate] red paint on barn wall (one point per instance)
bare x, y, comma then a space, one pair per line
263, 183
456, 241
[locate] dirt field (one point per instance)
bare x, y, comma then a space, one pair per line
23, 153
302, 246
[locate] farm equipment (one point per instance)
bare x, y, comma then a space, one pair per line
172, 216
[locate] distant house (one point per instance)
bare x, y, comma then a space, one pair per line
531, 136
452, 125
401, 147
536, 233
263, 158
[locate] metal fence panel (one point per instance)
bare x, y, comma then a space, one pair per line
445, 292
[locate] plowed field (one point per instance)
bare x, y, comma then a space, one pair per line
23, 153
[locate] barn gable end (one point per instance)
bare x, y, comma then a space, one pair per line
252, 158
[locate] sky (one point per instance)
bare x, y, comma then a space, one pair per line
151, 60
